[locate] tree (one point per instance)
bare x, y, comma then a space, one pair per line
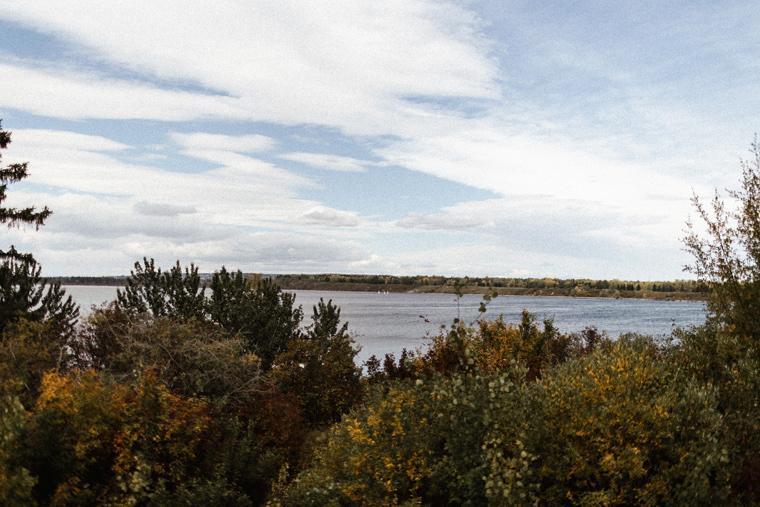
170, 293
264, 315
27, 351
16, 482
319, 368
725, 353
728, 257
23, 293
13, 174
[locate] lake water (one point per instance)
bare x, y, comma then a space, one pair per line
385, 323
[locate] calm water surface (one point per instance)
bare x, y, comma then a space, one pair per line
385, 323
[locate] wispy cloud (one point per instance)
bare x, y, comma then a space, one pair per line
84, 94
346, 64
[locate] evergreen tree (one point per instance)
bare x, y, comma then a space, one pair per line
266, 317
258, 310
23, 293
14, 217
318, 368
172, 293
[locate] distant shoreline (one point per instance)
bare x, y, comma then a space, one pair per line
502, 291
585, 288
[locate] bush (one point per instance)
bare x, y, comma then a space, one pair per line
622, 428
15, 481
492, 347
100, 337
248, 453
190, 357
91, 441
727, 258
378, 456
442, 440
211, 492
27, 351
616, 427
731, 364
265, 317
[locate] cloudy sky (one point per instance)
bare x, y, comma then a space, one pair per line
409, 137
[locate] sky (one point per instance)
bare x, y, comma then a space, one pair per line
508, 138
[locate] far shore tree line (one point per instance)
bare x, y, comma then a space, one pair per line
477, 285
190, 391
681, 289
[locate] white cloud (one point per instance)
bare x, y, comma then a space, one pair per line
162, 209
237, 167
66, 160
484, 154
65, 253
329, 162
220, 142
239, 191
541, 224
323, 215
46, 139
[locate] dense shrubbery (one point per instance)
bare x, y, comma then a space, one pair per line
90, 441
622, 425
161, 397
159, 408
171, 409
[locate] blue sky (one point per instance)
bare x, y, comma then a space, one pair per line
410, 137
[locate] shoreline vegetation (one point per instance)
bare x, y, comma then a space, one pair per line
674, 290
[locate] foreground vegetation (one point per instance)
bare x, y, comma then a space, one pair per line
169, 397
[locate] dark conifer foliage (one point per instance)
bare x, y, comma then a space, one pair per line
172, 293
258, 309
23, 293
326, 321
13, 174
319, 368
